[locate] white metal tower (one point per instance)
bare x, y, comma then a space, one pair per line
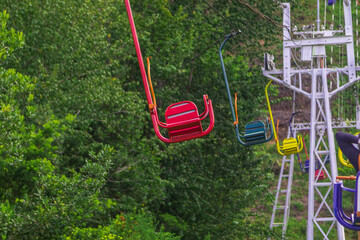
312, 43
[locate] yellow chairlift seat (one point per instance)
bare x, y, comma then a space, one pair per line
344, 161
289, 145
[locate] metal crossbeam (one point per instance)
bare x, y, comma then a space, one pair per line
306, 126
317, 41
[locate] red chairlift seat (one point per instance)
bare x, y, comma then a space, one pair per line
183, 121
320, 174
186, 113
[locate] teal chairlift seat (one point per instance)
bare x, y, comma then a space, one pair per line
256, 132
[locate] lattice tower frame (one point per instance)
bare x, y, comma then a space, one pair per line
322, 144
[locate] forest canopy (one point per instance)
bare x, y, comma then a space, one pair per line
78, 155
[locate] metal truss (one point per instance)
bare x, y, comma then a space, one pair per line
311, 44
281, 208
322, 146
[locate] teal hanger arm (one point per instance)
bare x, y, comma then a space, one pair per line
227, 37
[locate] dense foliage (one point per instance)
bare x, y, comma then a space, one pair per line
79, 158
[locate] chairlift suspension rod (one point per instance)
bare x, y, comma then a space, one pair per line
138, 52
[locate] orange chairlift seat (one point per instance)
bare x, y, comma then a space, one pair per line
183, 121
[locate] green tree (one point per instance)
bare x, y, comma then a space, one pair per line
44, 194
89, 125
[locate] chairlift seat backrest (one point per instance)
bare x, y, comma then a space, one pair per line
255, 131
290, 146
185, 119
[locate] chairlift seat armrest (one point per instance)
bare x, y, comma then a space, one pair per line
206, 111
